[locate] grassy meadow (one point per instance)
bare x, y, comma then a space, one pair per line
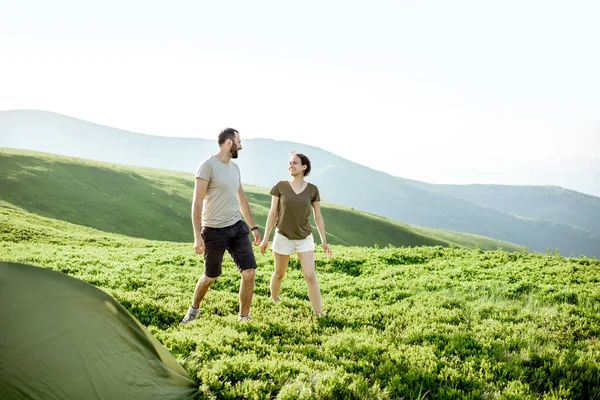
427, 322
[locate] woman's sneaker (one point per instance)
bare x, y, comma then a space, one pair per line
322, 314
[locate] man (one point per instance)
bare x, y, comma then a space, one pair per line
216, 206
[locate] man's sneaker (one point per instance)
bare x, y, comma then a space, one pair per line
322, 314
274, 300
244, 318
191, 315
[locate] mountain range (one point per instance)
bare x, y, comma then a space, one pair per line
538, 217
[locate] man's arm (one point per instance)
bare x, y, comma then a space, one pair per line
245, 209
200, 188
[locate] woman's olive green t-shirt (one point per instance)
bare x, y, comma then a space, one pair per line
294, 209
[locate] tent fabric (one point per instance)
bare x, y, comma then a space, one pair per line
62, 338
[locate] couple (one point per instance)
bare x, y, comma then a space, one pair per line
219, 203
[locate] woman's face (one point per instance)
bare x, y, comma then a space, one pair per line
295, 166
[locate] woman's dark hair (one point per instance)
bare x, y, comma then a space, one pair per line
304, 160
227, 133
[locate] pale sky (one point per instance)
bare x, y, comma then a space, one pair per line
440, 91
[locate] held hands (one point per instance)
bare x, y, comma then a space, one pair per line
199, 246
326, 250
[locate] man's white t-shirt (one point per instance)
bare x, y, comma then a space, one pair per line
221, 206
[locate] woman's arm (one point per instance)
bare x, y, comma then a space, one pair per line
320, 226
270, 222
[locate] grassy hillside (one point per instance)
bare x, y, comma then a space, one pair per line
539, 220
424, 205
155, 204
426, 323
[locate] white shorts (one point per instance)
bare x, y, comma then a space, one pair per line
285, 246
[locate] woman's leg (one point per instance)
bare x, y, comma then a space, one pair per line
281, 263
307, 260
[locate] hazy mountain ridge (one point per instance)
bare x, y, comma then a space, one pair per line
561, 219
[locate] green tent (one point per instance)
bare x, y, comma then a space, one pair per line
62, 338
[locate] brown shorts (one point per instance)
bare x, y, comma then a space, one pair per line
234, 239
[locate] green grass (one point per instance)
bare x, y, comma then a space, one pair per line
414, 323
155, 204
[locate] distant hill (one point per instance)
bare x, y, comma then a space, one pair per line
568, 221
546, 203
155, 204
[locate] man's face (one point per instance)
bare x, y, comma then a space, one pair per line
236, 146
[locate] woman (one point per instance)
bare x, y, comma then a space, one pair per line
291, 204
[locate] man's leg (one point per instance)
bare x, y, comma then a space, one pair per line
215, 243
281, 263
241, 252
201, 288
246, 291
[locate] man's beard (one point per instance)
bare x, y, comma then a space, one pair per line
234, 151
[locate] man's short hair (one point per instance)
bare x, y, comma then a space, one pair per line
227, 133
304, 160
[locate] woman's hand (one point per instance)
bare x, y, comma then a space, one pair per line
263, 246
326, 250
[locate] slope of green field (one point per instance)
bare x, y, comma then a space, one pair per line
155, 204
428, 322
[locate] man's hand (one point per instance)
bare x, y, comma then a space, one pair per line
256, 237
199, 246
263, 246
326, 250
